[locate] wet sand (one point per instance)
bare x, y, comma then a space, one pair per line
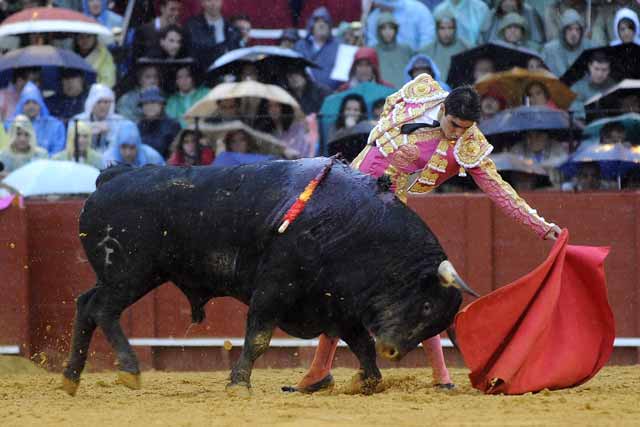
29, 397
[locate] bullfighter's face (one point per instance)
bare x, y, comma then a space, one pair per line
401, 326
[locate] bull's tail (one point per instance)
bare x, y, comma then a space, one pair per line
298, 206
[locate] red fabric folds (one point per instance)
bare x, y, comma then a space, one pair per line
552, 328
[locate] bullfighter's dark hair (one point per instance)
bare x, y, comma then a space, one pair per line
464, 103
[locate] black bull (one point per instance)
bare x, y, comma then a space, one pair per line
356, 264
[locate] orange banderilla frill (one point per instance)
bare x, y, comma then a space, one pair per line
300, 203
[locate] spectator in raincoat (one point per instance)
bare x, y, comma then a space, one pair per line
99, 112
416, 27
99, 9
503, 8
96, 54
320, 46
447, 43
391, 54
10, 95
156, 129
559, 54
365, 68
604, 27
70, 101
79, 133
470, 13
596, 81
514, 31
186, 150
50, 132
128, 149
21, 147
626, 27
129, 104
419, 64
189, 92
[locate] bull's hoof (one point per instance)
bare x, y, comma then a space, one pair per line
447, 386
361, 385
326, 383
241, 389
129, 380
69, 386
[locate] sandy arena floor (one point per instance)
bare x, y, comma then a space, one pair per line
29, 397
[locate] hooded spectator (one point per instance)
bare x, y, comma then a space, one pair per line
416, 27
470, 13
50, 132
79, 134
70, 101
99, 10
128, 105
626, 27
10, 95
596, 81
309, 93
210, 34
99, 112
420, 64
554, 16
392, 55
604, 26
189, 92
320, 46
21, 147
514, 31
502, 9
289, 38
559, 54
156, 129
447, 43
128, 149
186, 150
96, 54
147, 36
365, 68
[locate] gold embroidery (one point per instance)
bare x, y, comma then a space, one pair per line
471, 148
355, 164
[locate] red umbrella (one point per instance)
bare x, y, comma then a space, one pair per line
52, 20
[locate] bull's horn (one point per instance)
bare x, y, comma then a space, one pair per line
450, 277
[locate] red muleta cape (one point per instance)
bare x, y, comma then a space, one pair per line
552, 328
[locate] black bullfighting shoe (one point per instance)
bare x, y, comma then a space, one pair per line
447, 386
325, 383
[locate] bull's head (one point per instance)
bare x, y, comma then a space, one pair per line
425, 311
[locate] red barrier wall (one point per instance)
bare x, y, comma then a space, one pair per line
488, 249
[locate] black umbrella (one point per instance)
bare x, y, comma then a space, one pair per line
350, 141
271, 62
625, 63
503, 56
509, 125
609, 102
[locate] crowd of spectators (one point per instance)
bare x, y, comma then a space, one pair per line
134, 112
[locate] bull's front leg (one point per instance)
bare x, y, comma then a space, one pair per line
367, 380
260, 325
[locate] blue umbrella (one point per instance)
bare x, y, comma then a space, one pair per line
630, 121
615, 160
508, 125
271, 61
50, 58
228, 158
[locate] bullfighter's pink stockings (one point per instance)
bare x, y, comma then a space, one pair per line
433, 348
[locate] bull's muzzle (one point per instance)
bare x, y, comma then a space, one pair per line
388, 351
450, 277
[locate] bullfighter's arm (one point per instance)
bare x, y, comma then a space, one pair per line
502, 194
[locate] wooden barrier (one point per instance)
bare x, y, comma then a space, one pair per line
43, 268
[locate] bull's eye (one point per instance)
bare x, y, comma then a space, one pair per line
426, 308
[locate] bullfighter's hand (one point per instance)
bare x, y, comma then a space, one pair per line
553, 233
